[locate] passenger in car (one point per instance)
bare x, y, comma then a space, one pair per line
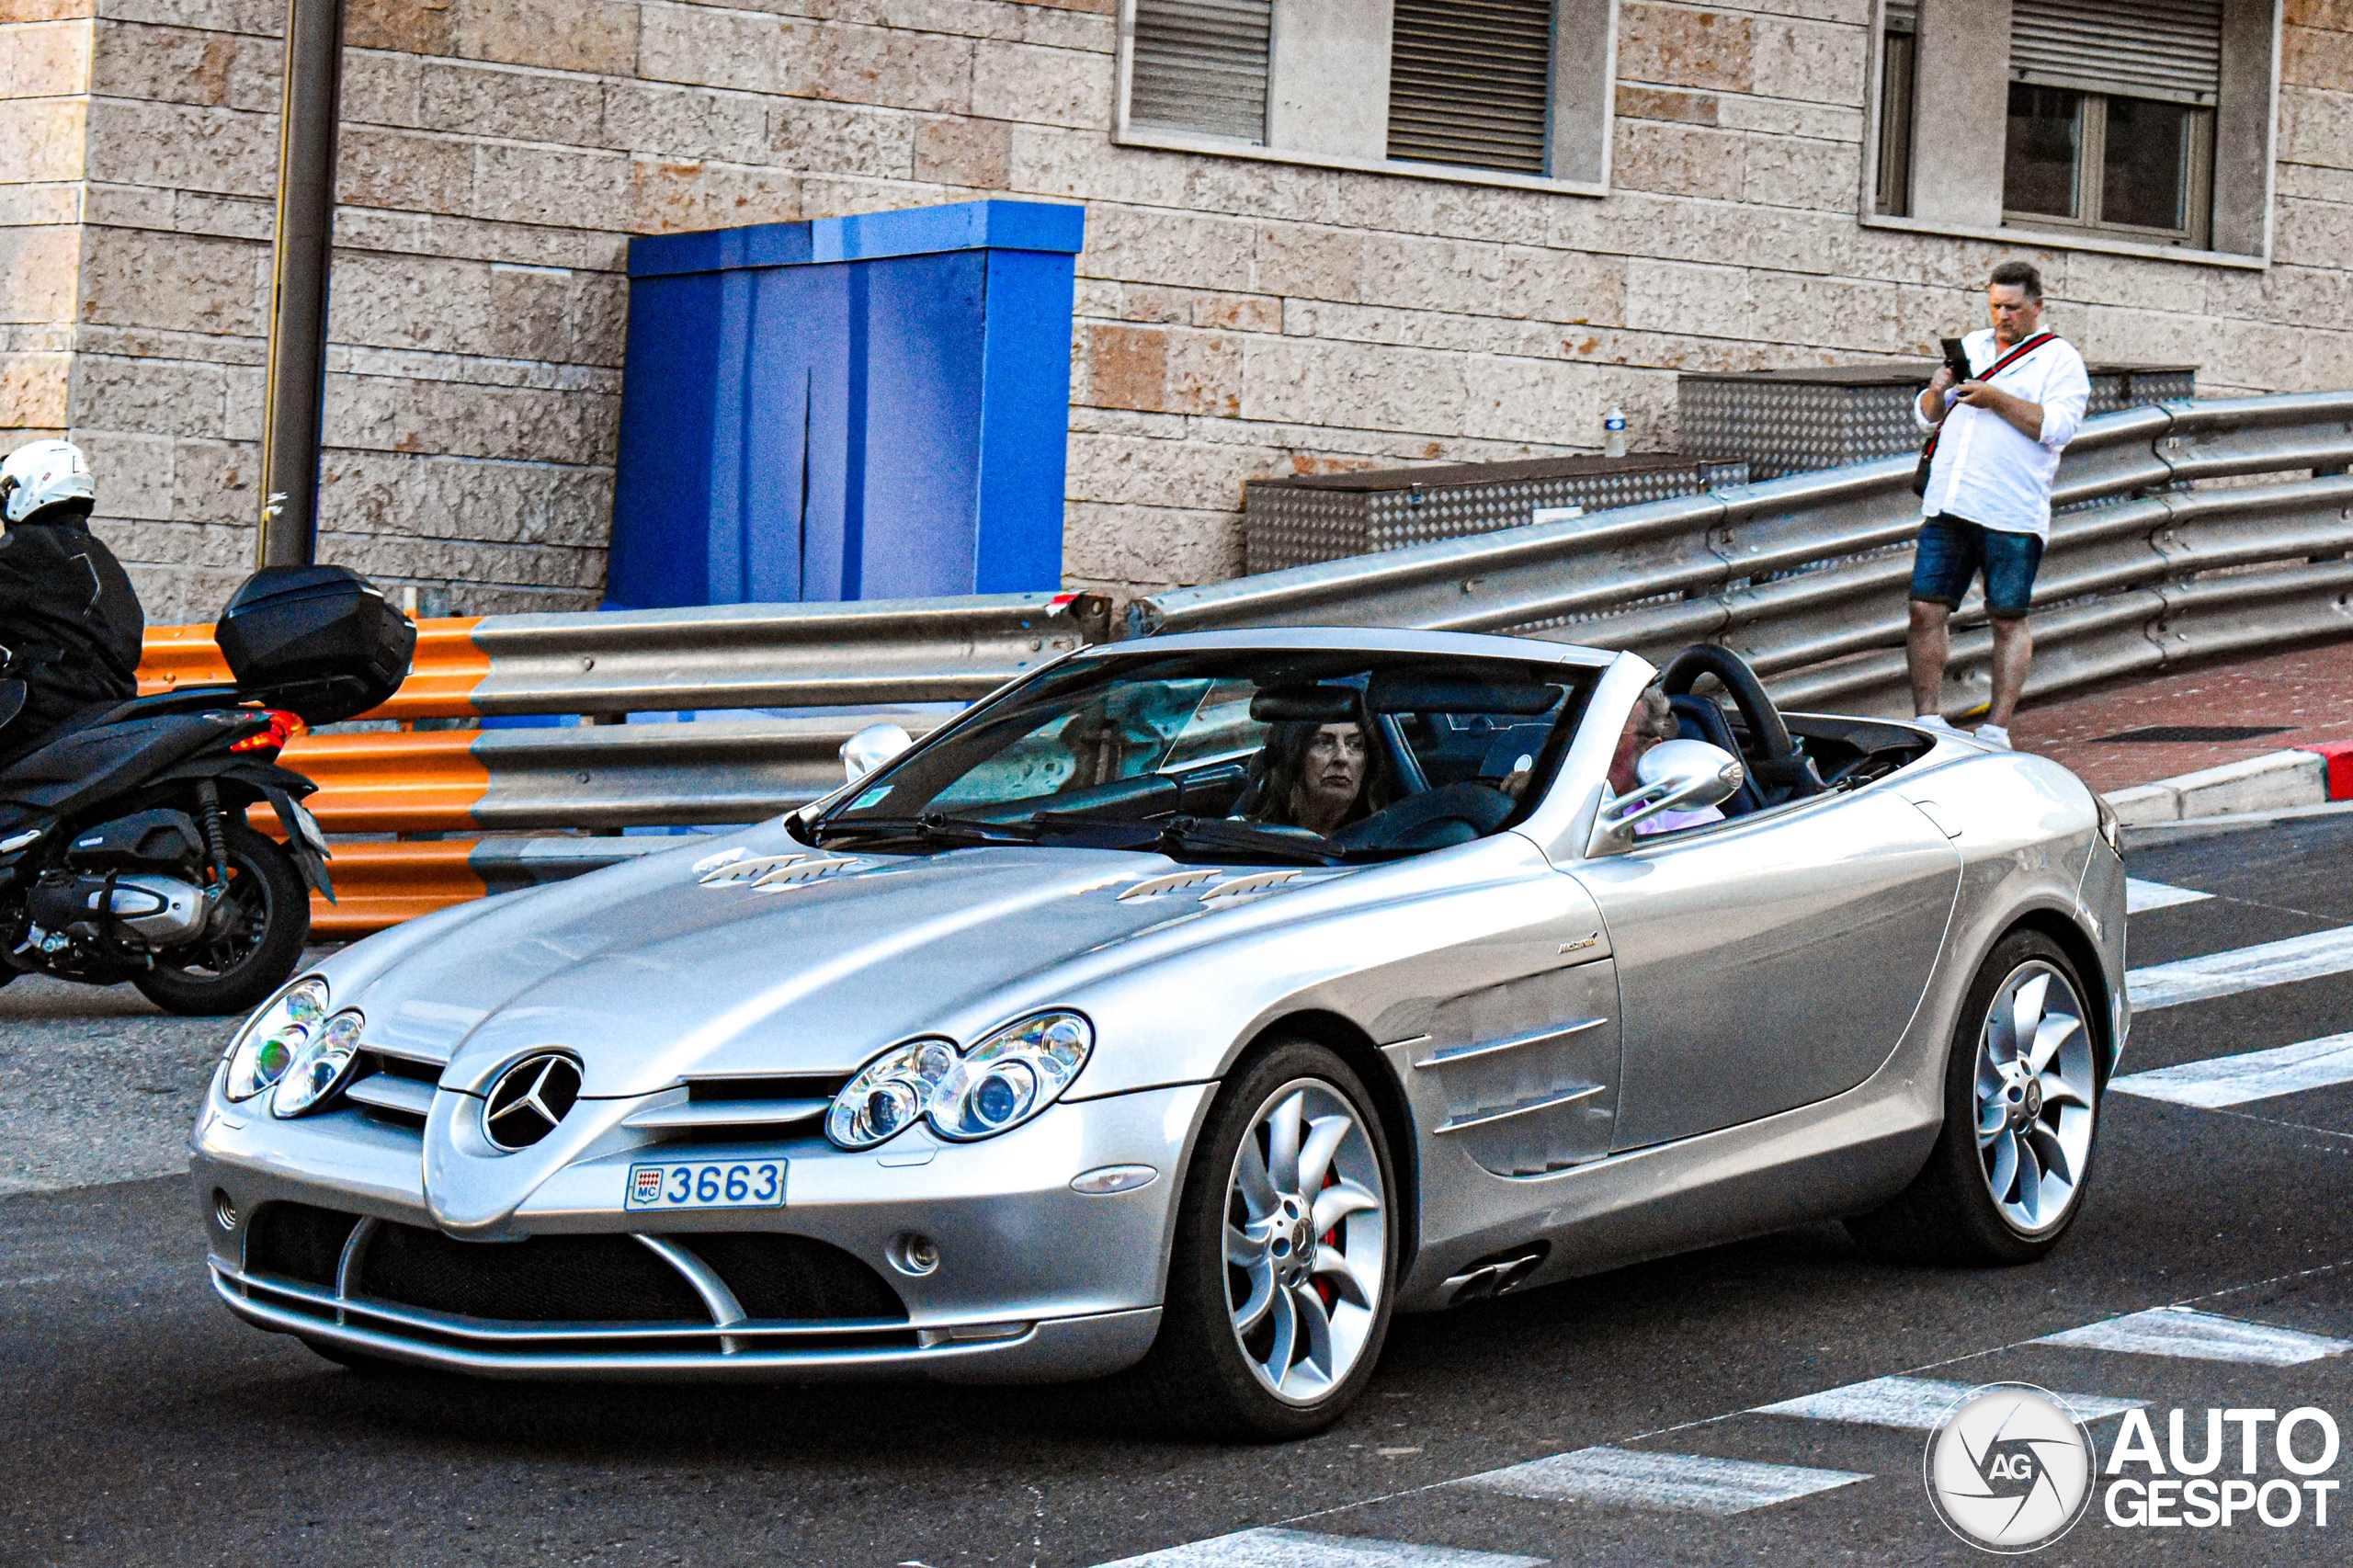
1652, 721
1321, 776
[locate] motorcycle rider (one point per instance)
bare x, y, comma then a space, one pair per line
70, 621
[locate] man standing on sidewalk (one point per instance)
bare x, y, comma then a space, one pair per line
1987, 507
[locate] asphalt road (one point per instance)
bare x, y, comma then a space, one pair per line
143, 1425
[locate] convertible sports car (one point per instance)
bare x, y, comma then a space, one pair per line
1064, 1043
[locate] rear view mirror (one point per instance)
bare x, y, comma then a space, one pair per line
1324, 704
1674, 776
872, 747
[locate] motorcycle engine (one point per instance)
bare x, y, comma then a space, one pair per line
155, 911
136, 878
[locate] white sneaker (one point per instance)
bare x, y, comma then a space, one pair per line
1994, 736
1936, 721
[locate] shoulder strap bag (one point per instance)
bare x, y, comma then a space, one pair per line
1929, 447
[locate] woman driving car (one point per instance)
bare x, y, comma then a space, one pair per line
1321, 776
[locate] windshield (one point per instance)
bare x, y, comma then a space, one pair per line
1284, 755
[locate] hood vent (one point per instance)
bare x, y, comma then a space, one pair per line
771, 873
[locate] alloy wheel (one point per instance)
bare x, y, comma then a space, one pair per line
1306, 1238
2036, 1098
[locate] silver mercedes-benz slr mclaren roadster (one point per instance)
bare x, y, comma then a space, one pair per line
1191, 1006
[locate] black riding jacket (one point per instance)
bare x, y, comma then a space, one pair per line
70, 622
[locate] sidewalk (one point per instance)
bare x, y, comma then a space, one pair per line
2178, 725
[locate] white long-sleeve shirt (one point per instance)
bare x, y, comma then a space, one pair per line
1984, 471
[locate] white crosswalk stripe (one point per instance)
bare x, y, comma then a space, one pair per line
1299, 1548
2140, 897
2201, 1336
1917, 1402
2221, 1081
1661, 1483
2241, 969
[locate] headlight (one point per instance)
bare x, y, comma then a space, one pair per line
2110, 828
269, 1043
318, 1067
996, 1086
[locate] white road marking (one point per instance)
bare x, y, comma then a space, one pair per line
1661, 1483
2221, 1081
1917, 1402
2241, 969
1299, 1549
2140, 896
2201, 1336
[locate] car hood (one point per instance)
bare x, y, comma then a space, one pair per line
687, 967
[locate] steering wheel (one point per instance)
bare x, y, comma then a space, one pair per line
1782, 773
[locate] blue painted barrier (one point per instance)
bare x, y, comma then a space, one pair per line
866, 407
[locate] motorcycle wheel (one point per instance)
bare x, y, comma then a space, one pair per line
235, 967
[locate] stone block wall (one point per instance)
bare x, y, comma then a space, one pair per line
1237, 317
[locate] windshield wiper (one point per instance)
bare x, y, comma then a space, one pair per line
1247, 839
932, 827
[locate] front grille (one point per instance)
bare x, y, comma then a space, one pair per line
795, 1276
298, 1241
609, 1278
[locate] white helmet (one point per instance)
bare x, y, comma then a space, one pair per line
42, 473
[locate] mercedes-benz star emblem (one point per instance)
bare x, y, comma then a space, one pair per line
530, 1098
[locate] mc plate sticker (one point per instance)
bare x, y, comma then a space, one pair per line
716, 1184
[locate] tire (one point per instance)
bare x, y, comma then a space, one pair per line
253, 943
2006, 1196
1232, 1362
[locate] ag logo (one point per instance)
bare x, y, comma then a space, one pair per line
2010, 1469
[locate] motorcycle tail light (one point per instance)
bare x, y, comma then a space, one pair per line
283, 727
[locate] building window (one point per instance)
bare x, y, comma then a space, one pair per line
1511, 92
2111, 122
1898, 63
1470, 83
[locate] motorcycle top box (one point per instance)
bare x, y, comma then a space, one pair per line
321, 640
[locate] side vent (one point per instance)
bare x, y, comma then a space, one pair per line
1200, 66
1470, 83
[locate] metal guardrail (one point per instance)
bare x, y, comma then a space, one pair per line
1806, 576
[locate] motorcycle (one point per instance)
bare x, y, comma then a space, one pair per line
125, 852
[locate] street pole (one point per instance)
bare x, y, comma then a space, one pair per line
298, 296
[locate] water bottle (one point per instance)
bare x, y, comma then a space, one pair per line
1613, 432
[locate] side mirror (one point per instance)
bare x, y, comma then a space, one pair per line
872, 747
1675, 775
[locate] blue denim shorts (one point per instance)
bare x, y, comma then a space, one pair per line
1952, 551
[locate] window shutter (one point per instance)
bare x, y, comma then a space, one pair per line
1469, 82
1200, 66
2147, 49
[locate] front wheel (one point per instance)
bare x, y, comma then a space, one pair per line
2009, 1172
1281, 1277
250, 944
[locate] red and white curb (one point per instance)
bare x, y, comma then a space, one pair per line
2305, 775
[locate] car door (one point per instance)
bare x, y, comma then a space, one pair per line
1505, 1037
1772, 961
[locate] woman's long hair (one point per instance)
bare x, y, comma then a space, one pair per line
1282, 762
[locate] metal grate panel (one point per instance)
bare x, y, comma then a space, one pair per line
1290, 522
1793, 422
1470, 83
1200, 66
2161, 49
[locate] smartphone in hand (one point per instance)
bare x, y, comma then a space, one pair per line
1957, 359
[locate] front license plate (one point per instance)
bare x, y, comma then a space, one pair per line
716, 1184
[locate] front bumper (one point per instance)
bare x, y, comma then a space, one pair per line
1034, 1281
1050, 1350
